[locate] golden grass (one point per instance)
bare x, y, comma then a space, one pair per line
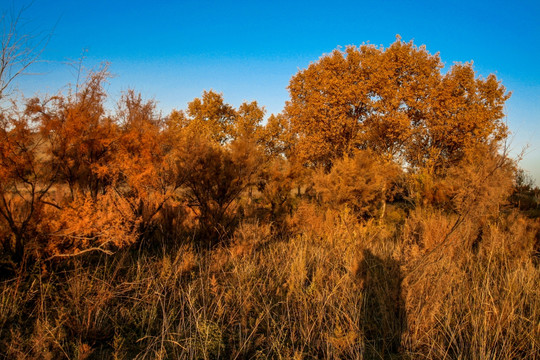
338, 288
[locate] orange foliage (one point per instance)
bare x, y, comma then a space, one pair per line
276, 183
363, 181
81, 138
396, 102
25, 181
212, 116
248, 122
215, 176
75, 177
476, 186
277, 137
102, 223
143, 166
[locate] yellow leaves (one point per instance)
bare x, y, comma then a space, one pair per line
248, 121
395, 101
211, 116
276, 136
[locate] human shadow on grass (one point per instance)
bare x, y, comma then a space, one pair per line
384, 318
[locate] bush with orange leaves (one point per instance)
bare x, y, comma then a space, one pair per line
110, 174
143, 167
481, 182
80, 137
214, 177
364, 182
26, 178
476, 186
88, 224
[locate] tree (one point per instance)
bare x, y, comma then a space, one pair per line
396, 102
247, 124
465, 114
277, 137
211, 115
25, 180
214, 177
212, 118
144, 165
18, 51
80, 135
117, 168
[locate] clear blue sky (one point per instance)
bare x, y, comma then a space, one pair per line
248, 50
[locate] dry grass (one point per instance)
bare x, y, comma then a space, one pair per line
337, 288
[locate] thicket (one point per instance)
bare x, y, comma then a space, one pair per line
379, 216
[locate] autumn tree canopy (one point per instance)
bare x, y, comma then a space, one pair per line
395, 101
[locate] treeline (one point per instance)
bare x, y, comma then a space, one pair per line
75, 177
363, 127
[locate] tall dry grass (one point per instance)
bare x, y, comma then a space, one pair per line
410, 287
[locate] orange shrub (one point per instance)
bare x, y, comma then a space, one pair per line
214, 178
363, 182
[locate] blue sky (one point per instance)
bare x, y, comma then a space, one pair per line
248, 50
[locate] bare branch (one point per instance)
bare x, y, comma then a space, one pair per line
18, 51
105, 251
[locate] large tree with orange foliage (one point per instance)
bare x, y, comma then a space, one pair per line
395, 101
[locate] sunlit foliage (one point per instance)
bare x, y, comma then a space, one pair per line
370, 219
394, 101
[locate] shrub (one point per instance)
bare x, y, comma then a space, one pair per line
364, 182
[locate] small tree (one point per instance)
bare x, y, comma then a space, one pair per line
81, 138
144, 164
212, 116
18, 51
247, 124
215, 177
26, 177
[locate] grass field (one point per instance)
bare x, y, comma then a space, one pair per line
411, 287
